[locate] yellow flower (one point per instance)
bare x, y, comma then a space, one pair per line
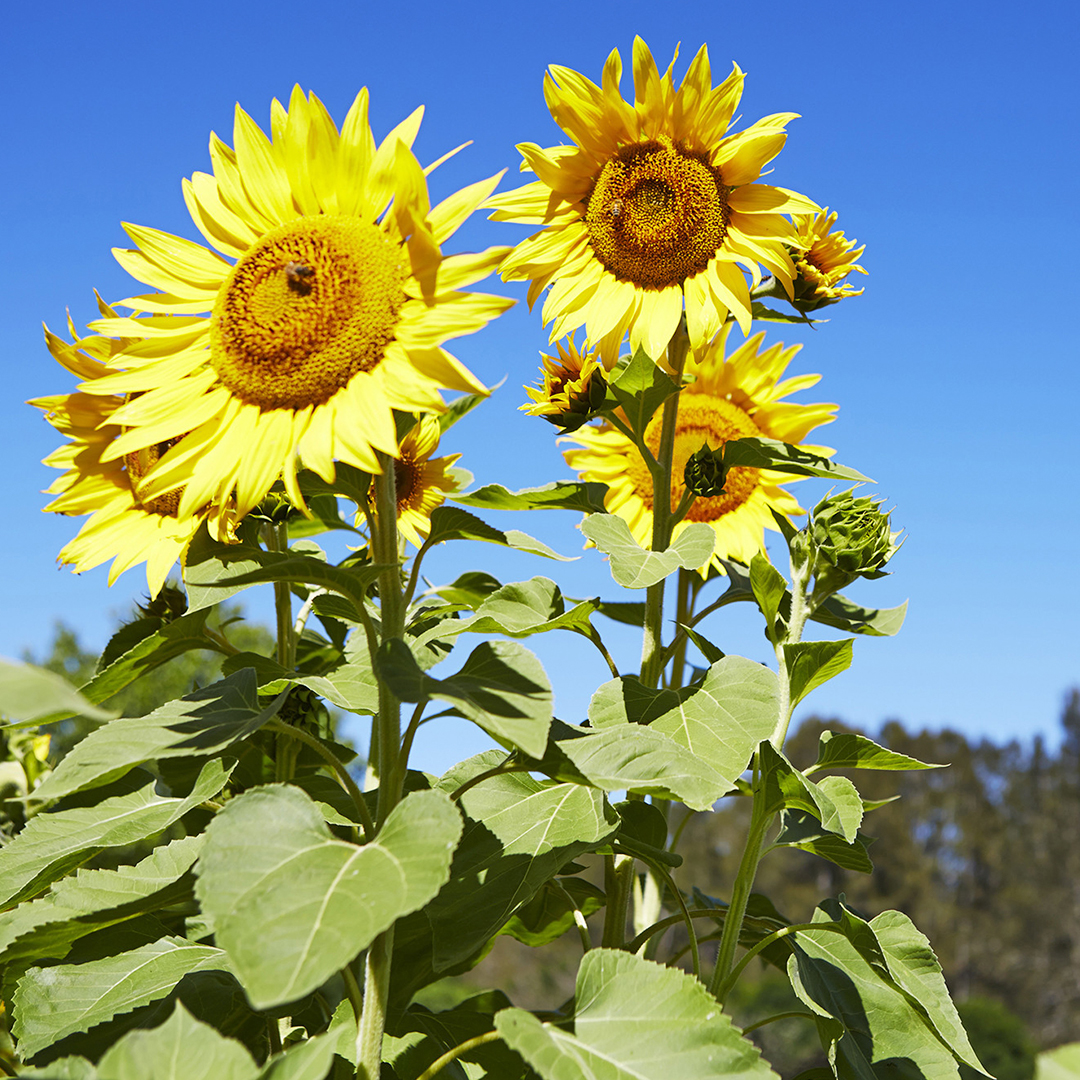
727, 399
653, 205
573, 388
423, 482
825, 259
123, 526
332, 315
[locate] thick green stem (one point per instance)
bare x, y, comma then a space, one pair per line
277, 539
652, 649
369, 1038
800, 612
386, 739
740, 895
618, 879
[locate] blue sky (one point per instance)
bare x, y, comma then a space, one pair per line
943, 133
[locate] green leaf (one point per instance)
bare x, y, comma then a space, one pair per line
65, 1068
1060, 1064
52, 844
56, 1001
843, 614
769, 588
501, 687
766, 314
131, 654
550, 913
849, 751
199, 724
712, 653
799, 829
640, 388
761, 453
453, 523
722, 720
811, 663
632, 566
635, 1020
630, 613
307, 1060
180, 1049
636, 759
213, 572
519, 833
271, 871
351, 684
519, 609
875, 1021
787, 789
915, 969
627, 700
91, 899
30, 694
560, 495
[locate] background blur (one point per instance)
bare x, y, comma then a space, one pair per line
943, 133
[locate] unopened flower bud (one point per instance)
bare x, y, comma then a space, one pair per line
847, 537
704, 475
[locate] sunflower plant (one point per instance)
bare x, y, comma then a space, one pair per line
221, 889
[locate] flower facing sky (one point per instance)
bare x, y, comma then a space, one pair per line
324, 308
654, 206
735, 398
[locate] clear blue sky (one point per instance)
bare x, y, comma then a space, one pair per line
943, 133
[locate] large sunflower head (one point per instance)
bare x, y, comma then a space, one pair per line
423, 482
823, 259
573, 387
124, 524
733, 398
324, 307
653, 206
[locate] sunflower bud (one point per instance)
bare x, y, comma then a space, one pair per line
704, 474
573, 388
847, 537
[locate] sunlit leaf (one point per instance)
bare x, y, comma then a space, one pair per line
271, 871
559, 495
632, 566
635, 1020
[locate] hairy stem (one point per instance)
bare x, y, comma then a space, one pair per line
440, 1063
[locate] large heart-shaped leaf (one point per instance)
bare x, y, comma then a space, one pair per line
271, 871
634, 567
635, 1020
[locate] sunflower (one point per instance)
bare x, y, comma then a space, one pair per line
423, 482
727, 399
654, 205
332, 315
124, 525
823, 259
573, 387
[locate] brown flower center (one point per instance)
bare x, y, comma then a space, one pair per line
657, 214
702, 419
139, 463
312, 304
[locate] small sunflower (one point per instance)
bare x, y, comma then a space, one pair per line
654, 205
573, 387
728, 399
124, 525
423, 482
823, 259
328, 307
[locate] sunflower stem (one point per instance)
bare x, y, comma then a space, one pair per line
277, 539
652, 651
386, 741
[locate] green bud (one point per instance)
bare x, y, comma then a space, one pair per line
704, 473
851, 533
